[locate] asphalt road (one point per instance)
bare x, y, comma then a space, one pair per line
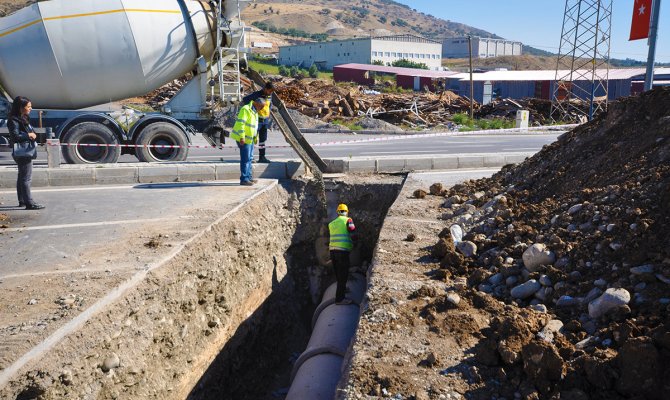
78, 220
408, 146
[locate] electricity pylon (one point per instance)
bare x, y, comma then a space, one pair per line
582, 69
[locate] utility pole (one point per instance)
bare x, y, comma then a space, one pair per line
653, 33
472, 104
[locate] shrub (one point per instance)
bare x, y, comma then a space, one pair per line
313, 71
409, 64
462, 119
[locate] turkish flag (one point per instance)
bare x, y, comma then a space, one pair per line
639, 28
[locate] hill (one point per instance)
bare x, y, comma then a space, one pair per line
339, 18
9, 6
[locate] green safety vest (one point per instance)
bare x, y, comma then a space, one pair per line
339, 234
246, 124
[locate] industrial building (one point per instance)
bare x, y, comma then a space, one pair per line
386, 49
481, 47
498, 84
540, 84
407, 78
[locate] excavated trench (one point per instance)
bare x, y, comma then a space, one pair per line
256, 362
225, 317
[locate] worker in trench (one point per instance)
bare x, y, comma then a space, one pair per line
263, 117
342, 237
245, 133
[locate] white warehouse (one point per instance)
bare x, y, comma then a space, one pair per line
387, 49
481, 47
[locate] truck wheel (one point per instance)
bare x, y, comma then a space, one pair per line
161, 134
90, 133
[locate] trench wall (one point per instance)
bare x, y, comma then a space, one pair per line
167, 330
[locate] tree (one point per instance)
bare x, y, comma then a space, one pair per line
378, 62
313, 71
293, 71
409, 64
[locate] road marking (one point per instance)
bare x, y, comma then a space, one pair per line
73, 189
395, 153
92, 224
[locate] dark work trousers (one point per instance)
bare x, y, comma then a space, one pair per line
262, 137
24, 180
340, 261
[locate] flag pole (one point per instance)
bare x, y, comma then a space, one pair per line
653, 33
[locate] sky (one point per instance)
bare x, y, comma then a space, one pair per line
538, 23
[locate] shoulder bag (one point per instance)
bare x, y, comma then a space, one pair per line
25, 150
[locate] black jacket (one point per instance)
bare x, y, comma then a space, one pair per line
255, 95
18, 130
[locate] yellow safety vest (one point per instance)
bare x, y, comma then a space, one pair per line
265, 111
339, 234
246, 125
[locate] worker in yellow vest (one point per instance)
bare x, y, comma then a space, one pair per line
245, 134
342, 237
263, 117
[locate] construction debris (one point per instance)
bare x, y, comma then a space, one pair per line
326, 101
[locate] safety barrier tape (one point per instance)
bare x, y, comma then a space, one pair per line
331, 143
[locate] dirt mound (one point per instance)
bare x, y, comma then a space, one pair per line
377, 125
574, 243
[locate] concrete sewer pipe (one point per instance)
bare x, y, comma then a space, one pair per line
318, 369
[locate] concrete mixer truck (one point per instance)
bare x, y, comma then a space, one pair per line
71, 55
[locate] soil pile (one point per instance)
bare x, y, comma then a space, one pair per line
569, 254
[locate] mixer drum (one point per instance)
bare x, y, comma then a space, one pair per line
71, 54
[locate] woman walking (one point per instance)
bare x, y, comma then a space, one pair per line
21, 132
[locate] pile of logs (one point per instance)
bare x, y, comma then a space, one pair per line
326, 108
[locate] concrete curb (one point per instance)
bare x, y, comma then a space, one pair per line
106, 174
